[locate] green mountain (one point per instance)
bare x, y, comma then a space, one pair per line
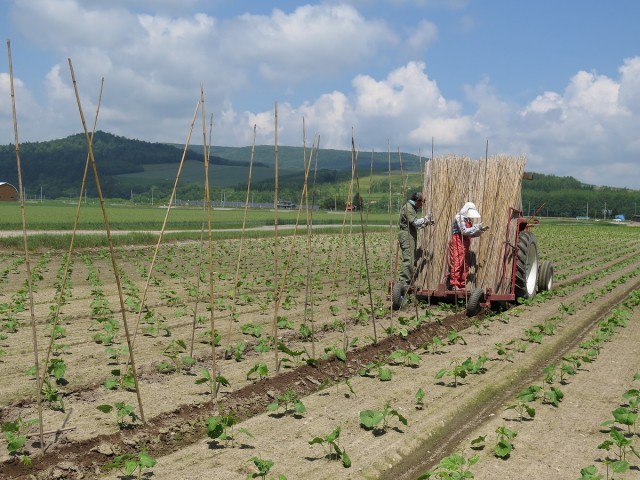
129, 168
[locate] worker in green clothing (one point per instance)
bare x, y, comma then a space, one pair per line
410, 222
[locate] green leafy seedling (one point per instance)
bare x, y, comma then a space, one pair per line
15, 434
263, 466
221, 428
129, 463
504, 446
214, 383
259, 368
330, 442
419, 396
121, 411
288, 401
452, 467
379, 419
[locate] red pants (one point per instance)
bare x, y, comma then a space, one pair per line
459, 260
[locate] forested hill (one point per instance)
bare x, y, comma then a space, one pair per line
130, 168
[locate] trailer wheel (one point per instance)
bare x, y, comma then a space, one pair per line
397, 293
473, 302
527, 266
545, 276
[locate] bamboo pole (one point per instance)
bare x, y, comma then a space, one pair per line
34, 336
310, 227
276, 247
242, 236
354, 157
65, 276
110, 242
212, 321
164, 224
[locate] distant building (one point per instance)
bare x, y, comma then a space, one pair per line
8, 193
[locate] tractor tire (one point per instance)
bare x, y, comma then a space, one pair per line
473, 302
545, 276
397, 295
527, 266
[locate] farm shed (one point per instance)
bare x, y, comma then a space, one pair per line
8, 193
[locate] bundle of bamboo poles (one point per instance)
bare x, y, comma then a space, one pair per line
494, 185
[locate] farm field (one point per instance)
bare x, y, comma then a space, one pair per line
437, 383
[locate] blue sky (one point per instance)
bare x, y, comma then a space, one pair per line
557, 81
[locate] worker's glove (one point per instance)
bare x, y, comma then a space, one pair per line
485, 228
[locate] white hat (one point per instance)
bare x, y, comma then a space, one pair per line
469, 210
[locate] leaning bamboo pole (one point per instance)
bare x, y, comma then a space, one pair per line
212, 316
354, 154
164, 225
110, 243
236, 278
26, 252
63, 284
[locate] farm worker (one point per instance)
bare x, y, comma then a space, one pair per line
463, 231
410, 222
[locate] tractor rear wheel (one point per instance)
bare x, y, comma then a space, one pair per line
527, 266
545, 276
473, 302
397, 293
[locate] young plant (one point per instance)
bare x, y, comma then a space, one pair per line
260, 368
452, 467
330, 442
288, 401
505, 446
130, 463
51, 394
408, 359
15, 434
214, 383
379, 419
120, 380
383, 372
419, 397
120, 411
221, 428
263, 466
338, 352
456, 370
175, 353
235, 350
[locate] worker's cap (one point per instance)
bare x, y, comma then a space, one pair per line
469, 210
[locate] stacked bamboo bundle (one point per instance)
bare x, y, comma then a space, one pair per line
494, 185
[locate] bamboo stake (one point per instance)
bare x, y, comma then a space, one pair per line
242, 235
364, 241
110, 242
56, 315
25, 243
310, 227
164, 224
308, 293
276, 247
212, 320
204, 211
